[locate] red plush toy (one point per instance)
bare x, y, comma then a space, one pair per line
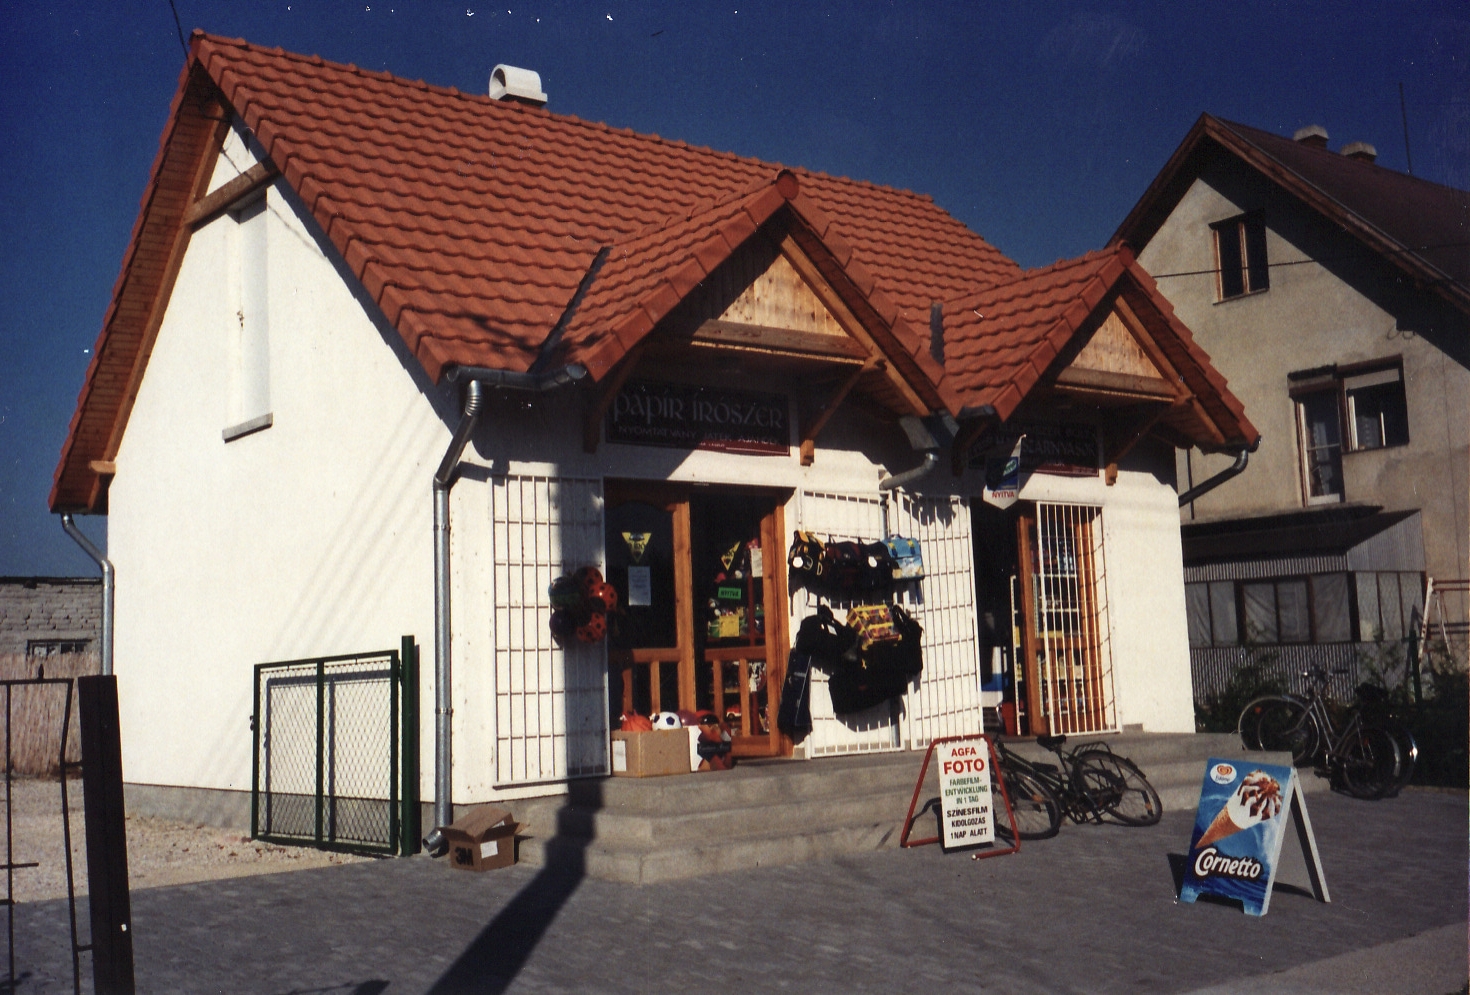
633, 722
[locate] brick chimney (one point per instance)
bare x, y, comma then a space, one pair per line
1313, 134
1361, 151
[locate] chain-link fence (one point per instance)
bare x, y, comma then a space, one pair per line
326, 769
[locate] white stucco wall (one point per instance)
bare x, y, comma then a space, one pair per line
1148, 633
1352, 309
309, 537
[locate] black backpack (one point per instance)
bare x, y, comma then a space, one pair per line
883, 671
821, 641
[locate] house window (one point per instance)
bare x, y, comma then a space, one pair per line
1390, 605
1319, 424
1270, 611
1346, 411
1377, 415
1240, 251
55, 647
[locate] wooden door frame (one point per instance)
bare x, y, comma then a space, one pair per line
676, 498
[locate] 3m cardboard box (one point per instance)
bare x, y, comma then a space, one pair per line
482, 839
650, 754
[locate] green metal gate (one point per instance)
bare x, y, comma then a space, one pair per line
335, 758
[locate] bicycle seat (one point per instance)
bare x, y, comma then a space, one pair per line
1050, 742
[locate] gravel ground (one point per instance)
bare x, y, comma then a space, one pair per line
160, 852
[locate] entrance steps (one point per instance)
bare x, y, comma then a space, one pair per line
772, 812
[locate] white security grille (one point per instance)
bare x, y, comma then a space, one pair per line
1070, 621
550, 703
841, 517
947, 700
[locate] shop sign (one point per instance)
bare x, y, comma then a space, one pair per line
1064, 450
682, 416
1236, 847
964, 793
1003, 481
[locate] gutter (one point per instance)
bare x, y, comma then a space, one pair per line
1233, 470
109, 587
921, 439
478, 380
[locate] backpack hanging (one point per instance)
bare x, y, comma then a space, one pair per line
805, 557
908, 559
883, 669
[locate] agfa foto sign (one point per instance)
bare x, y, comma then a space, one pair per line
964, 791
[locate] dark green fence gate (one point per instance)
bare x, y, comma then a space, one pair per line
336, 759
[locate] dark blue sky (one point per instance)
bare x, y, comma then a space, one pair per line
1037, 124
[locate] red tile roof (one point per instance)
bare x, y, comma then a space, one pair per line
1002, 341
1418, 226
472, 223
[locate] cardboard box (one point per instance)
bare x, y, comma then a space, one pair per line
482, 839
650, 754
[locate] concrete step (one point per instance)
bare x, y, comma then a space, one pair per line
768, 813
649, 865
642, 828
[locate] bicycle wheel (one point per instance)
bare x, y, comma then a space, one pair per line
1038, 815
1128, 797
1368, 763
1408, 756
1280, 724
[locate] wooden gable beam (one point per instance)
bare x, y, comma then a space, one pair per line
231, 193
157, 304
1117, 445
814, 420
604, 393
830, 299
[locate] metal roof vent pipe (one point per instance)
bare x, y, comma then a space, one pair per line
521, 86
1361, 151
1313, 135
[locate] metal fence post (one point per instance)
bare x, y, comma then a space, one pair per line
410, 825
321, 707
107, 842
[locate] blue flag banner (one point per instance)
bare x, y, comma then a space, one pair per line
1234, 851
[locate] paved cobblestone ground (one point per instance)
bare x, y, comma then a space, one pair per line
1090, 911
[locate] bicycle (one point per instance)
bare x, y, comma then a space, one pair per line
1097, 783
1364, 759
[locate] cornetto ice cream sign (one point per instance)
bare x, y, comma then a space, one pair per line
647, 413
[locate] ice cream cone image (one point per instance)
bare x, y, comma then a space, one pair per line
1257, 800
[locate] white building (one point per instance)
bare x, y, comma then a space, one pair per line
669, 343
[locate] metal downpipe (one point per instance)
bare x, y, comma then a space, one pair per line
443, 738
920, 438
1233, 470
109, 586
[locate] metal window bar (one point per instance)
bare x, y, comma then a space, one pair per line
325, 769
839, 517
1076, 678
947, 699
551, 721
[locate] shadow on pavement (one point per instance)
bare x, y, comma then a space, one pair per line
494, 958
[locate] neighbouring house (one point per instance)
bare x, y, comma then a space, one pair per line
388, 359
49, 616
1335, 296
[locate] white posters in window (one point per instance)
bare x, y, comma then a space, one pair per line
640, 586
